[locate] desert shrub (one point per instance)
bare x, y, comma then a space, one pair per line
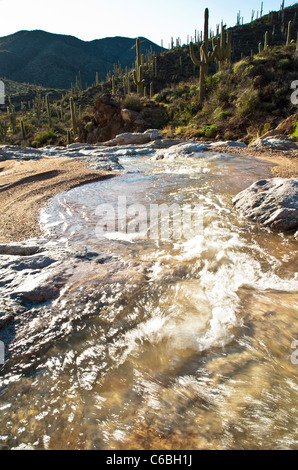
210, 131
295, 133
281, 96
283, 64
220, 115
193, 132
132, 102
89, 126
247, 70
229, 135
163, 96
45, 138
213, 80
240, 66
247, 103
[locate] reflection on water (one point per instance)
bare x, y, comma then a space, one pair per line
194, 355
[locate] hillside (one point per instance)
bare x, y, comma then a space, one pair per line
244, 99
54, 61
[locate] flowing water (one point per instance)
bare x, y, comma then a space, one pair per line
195, 351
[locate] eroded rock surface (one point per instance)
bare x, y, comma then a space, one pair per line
273, 203
276, 142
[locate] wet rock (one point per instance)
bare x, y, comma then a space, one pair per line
155, 134
35, 262
277, 142
39, 277
10, 152
165, 143
273, 203
190, 149
18, 249
227, 143
133, 138
183, 149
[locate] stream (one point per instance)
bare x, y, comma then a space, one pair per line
191, 344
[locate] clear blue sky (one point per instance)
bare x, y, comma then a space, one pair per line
154, 19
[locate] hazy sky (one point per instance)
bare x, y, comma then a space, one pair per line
153, 19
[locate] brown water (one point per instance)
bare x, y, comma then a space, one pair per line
193, 354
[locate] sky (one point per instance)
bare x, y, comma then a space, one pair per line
157, 20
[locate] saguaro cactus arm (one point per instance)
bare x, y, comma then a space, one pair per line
138, 72
224, 47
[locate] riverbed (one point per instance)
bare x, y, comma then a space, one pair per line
179, 340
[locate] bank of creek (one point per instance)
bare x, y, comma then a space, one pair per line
128, 341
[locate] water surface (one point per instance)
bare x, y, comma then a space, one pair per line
196, 354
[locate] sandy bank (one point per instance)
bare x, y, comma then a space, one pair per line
25, 186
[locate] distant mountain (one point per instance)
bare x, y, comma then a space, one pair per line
54, 60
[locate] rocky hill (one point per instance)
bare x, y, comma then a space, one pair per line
53, 60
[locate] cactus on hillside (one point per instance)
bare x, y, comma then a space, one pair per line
48, 110
206, 57
138, 71
266, 43
289, 33
23, 130
68, 137
12, 115
73, 116
224, 47
151, 90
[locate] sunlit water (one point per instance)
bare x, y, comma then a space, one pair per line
194, 355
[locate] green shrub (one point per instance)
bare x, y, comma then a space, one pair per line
220, 115
247, 103
132, 102
295, 133
45, 138
213, 80
210, 131
89, 126
240, 66
283, 64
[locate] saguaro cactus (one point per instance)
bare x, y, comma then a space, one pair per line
206, 58
224, 47
49, 113
289, 33
73, 116
12, 115
266, 43
138, 72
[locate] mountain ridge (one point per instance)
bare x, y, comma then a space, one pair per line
28, 56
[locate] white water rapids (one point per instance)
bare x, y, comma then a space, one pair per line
195, 353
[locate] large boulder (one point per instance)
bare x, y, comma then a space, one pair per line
277, 142
133, 138
273, 203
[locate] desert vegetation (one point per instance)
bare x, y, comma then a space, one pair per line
232, 84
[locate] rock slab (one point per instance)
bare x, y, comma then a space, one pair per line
272, 202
